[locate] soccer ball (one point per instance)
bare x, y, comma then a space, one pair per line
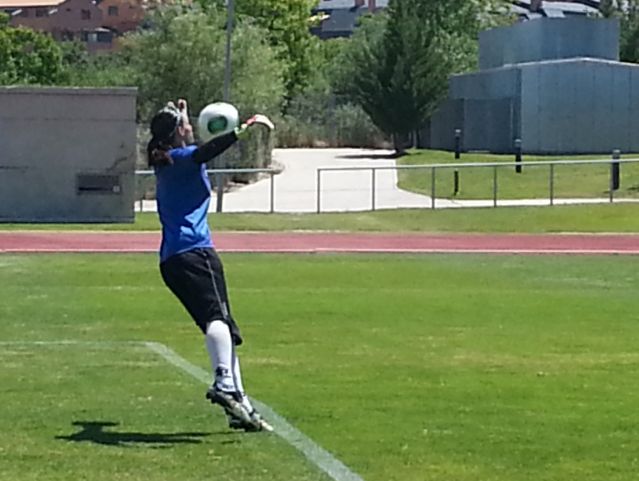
217, 119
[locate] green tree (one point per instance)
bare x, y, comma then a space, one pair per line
28, 57
397, 65
287, 24
628, 14
183, 55
105, 70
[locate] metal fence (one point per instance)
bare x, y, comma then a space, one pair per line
614, 163
373, 193
142, 177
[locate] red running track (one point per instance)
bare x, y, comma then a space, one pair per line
327, 242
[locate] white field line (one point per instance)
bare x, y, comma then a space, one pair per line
293, 436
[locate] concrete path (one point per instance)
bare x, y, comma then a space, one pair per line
296, 187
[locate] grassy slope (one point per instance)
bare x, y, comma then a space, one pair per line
533, 182
408, 368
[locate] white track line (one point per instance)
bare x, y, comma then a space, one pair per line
329, 250
312, 451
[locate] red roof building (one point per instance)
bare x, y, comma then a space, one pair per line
65, 20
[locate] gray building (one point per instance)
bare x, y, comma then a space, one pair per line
68, 154
554, 83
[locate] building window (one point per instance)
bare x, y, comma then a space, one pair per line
104, 184
86, 14
41, 12
113, 11
105, 37
24, 12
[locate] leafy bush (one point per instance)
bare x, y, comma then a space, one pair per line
344, 125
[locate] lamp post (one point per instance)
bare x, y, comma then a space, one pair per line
230, 16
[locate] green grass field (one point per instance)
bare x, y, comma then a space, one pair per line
573, 218
406, 368
533, 182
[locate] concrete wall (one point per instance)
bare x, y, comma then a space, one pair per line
442, 125
485, 105
68, 154
579, 106
489, 125
488, 84
548, 39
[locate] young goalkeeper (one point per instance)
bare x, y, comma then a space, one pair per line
189, 264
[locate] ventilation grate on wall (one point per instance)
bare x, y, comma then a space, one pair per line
98, 184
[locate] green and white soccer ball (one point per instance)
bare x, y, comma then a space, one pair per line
217, 119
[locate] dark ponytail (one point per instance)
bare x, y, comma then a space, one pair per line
157, 152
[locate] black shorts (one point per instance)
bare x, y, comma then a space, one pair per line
197, 279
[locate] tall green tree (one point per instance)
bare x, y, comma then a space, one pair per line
397, 65
287, 23
28, 57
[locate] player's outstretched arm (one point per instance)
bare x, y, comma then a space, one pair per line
218, 145
214, 147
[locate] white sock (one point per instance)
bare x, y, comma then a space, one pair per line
220, 348
237, 376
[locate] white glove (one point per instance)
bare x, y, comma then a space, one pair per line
260, 119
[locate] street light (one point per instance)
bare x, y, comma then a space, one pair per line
230, 14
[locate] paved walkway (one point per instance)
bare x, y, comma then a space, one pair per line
296, 187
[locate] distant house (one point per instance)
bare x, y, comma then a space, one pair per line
122, 16
340, 17
65, 20
531, 9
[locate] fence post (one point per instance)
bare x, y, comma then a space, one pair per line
139, 189
456, 182
614, 172
141, 183
552, 184
432, 187
518, 155
272, 191
219, 190
319, 187
495, 186
457, 143
373, 187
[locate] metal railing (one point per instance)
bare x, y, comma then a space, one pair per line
143, 174
614, 163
